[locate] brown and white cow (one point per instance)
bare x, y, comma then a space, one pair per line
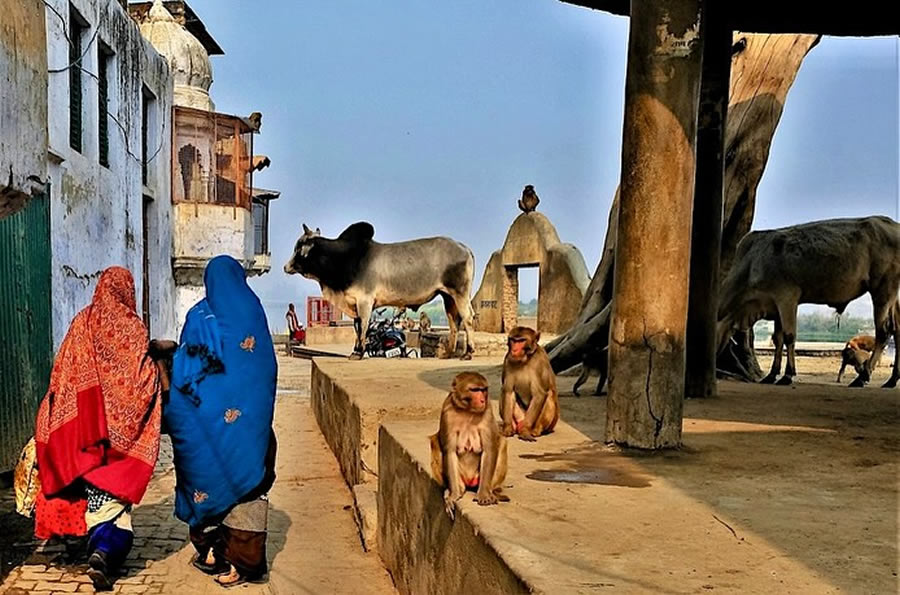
358, 274
829, 262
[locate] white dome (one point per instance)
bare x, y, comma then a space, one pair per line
187, 57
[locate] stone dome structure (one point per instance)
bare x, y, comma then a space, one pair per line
188, 59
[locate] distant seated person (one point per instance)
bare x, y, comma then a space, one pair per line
295, 329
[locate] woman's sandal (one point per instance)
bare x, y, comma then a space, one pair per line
235, 579
98, 572
210, 565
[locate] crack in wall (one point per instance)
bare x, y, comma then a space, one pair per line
657, 420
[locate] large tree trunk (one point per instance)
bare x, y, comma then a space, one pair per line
763, 69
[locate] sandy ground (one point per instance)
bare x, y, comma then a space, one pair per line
811, 468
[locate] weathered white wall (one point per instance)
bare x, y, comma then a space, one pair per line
96, 212
185, 298
203, 231
23, 100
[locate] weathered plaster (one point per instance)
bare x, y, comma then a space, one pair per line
23, 100
96, 212
202, 231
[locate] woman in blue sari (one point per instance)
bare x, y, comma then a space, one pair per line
219, 416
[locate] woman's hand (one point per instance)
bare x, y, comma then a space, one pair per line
162, 349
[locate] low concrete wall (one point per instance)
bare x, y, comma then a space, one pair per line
423, 549
351, 399
339, 420
330, 335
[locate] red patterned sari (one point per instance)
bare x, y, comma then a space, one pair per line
100, 419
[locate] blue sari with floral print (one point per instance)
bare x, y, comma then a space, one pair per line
222, 397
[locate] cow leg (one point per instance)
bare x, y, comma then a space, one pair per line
788, 318
585, 374
778, 340
452, 321
603, 366
464, 306
361, 324
358, 346
883, 325
895, 322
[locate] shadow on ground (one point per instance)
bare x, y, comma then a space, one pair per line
811, 468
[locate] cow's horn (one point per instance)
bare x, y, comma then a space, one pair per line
305, 229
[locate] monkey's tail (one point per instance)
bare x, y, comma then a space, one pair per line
437, 459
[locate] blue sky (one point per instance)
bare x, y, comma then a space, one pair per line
429, 118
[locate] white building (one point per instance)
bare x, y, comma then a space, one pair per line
23, 101
109, 118
217, 210
85, 183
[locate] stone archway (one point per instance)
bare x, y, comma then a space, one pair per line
532, 241
509, 306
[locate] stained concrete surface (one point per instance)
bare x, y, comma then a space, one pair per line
776, 489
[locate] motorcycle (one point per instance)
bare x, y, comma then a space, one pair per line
384, 339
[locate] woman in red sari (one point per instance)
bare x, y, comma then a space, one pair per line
98, 427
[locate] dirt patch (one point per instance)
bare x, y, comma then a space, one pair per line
811, 468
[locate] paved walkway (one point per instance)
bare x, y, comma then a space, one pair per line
313, 546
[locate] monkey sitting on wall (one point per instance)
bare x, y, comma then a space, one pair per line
529, 405
424, 323
594, 360
468, 451
529, 200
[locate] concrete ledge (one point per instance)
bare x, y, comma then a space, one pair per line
351, 399
365, 507
582, 518
422, 548
330, 335
340, 421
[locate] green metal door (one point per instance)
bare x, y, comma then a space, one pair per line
26, 344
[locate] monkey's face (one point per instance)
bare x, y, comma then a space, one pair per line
521, 344
476, 397
470, 392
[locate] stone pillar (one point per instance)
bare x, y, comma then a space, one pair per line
650, 294
510, 303
706, 231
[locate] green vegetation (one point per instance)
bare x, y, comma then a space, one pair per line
529, 309
435, 311
820, 327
